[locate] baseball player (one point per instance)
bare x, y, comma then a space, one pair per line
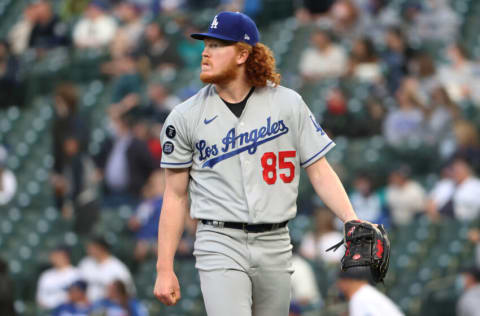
236, 147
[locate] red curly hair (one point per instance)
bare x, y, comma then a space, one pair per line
260, 65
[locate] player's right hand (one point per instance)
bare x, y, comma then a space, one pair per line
167, 288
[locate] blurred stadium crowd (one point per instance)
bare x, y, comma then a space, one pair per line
85, 86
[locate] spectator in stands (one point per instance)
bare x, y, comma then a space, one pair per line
458, 197
8, 181
48, 30
437, 22
190, 50
474, 237
375, 115
125, 164
347, 21
70, 137
19, 34
157, 50
378, 18
425, 73
365, 200
6, 291
119, 302
322, 237
305, 291
465, 198
127, 84
314, 11
439, 117
97, 28
324, 60
364, 62
145, 220
130, 30
146, 129
52, 284
161, 102
405, 123
100, 268
467, 142
73, 9
77, 303
396, 58
363, 298
338, 120
405, 197
10, 85
469, 281
440, 194
458, 75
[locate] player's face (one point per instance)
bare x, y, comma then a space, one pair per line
219, 62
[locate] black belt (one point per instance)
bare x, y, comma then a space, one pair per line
249, 228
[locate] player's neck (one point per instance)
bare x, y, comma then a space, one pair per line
354, 288
234, 91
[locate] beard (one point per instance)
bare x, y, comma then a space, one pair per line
226, 75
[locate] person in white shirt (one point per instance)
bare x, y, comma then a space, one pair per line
457, 195
364, 299
8, 181
52, 284
405, 197
304, 286
324, 235
19, 34
96, 29
100, 268
440, 194
466, 198
324, 60
469, 281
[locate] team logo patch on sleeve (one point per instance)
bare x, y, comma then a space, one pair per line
317, 126
170, 131
168, 148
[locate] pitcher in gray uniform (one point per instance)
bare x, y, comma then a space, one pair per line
235, 149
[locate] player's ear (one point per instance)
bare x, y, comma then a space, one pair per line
242, 56
243, 52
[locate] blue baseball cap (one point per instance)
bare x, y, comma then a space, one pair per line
101, 4
231, 26
78, 284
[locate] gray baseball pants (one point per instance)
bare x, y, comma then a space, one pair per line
244, 274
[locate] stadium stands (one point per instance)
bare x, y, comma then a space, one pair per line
425, 255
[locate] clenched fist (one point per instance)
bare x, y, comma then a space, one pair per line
167, 289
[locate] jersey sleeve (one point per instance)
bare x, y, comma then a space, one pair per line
313, 142
177, 151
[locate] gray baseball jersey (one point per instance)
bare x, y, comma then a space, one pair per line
243, 169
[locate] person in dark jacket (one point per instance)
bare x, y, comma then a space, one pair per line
6, 291
48, 30
70, 137
124, 163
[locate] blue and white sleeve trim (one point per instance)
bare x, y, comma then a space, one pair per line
318, 155
176, 164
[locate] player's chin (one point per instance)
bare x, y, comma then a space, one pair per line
207, 77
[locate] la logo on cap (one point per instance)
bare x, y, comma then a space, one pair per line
214, 23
